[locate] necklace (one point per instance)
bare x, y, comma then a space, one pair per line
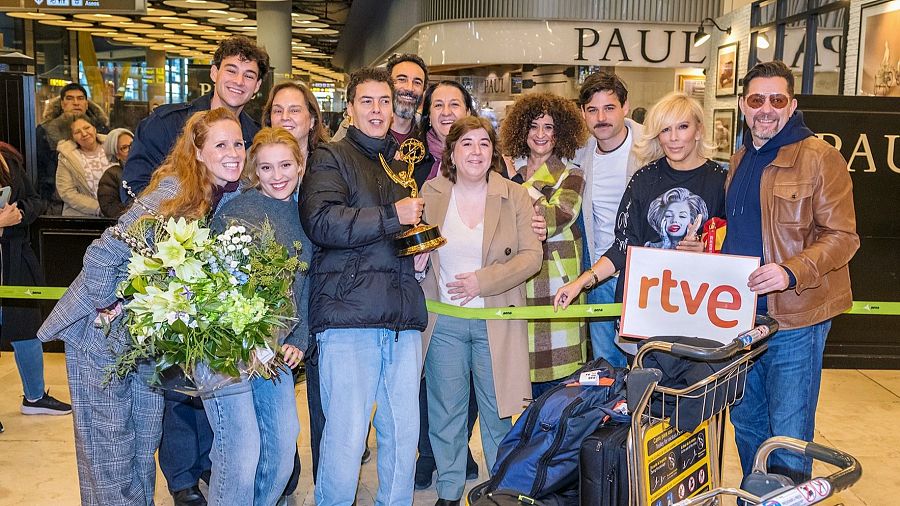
605, 152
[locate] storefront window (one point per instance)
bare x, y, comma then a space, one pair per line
807, 35
11, 34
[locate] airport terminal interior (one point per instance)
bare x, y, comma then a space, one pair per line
132, 57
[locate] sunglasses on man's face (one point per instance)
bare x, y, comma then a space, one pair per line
757, 100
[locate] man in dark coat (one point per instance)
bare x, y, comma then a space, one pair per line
366, 309
54, 128
238, 69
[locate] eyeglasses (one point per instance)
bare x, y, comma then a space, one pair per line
758, 100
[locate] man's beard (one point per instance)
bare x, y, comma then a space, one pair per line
404, 110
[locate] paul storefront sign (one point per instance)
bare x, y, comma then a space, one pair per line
678, 293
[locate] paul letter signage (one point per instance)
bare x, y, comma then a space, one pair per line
678, 293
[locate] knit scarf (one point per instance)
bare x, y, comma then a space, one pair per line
436, 148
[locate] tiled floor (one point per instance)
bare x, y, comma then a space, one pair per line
858, 413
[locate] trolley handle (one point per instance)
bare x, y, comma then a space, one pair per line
765, 326
849, 470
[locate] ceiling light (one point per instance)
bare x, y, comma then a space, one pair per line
64, 22
762, 41
233, 21
215, 13
123, 24
34, 15
153, 11
195, 4
101, 17
166, 19
302, 16
314, 31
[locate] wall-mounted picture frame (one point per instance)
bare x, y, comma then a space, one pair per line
693, 86
878, 67
727, 69
723, 129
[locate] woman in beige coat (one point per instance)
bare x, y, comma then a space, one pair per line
82, 162
491, 251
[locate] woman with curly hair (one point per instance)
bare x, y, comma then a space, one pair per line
667, 200
538, 134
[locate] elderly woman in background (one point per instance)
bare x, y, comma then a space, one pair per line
118, 421
117, 145
491, 251
677, 170
539, 133
82, 162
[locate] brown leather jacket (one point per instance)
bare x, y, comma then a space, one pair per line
809, 227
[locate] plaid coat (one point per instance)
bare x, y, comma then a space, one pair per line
105, 266
556, 348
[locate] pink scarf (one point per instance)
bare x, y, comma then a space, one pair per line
436, 148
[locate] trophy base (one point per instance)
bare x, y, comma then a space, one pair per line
419, 239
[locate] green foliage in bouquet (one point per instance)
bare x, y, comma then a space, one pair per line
192, 298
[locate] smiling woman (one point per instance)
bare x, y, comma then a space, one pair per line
89, 319
491, 250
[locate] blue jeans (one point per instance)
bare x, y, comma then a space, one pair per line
781, 397
457, 351
359, 368
256, 428
186, 441
30, 362
603, 330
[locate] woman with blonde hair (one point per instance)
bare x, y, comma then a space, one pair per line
667, 200
540, 132
118, 421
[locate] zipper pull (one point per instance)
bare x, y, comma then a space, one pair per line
396, 336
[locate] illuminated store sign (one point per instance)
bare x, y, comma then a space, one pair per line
560, 43
75, 6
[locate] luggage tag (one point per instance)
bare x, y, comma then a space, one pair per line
592, 378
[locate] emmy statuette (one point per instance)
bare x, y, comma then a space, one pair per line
422, 237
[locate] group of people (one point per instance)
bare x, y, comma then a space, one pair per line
541, 212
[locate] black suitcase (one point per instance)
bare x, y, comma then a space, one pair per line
603, 466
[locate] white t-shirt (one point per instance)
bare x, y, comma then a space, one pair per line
462, 253
608, 184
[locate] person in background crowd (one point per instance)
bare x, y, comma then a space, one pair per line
491, 251
82, 162
55, 128
21, 318
608, 160
539, 133
410, 75
238, 69
790, 203
676, 163
118, 420
255, 420
444, 103
117, 144
366, 310
638, 115
293, 107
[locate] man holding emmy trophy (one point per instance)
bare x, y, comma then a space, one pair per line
366, 308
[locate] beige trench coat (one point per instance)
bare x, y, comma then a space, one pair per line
511, 254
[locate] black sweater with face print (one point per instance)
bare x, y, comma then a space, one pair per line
660, 202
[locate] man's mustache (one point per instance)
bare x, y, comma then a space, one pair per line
408, 94
601, 125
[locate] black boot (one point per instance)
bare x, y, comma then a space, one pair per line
446, 502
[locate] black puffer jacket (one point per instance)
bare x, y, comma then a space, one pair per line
347, 209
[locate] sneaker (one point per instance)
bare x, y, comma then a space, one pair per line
46, 405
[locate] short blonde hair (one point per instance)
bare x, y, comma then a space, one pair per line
671, 109
265, 137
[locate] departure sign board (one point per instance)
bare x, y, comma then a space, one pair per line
76, 6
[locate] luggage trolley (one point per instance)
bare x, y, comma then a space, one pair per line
764, 489
668, 465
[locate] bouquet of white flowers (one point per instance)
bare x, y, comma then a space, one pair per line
213, 305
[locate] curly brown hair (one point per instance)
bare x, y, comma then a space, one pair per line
568, 125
